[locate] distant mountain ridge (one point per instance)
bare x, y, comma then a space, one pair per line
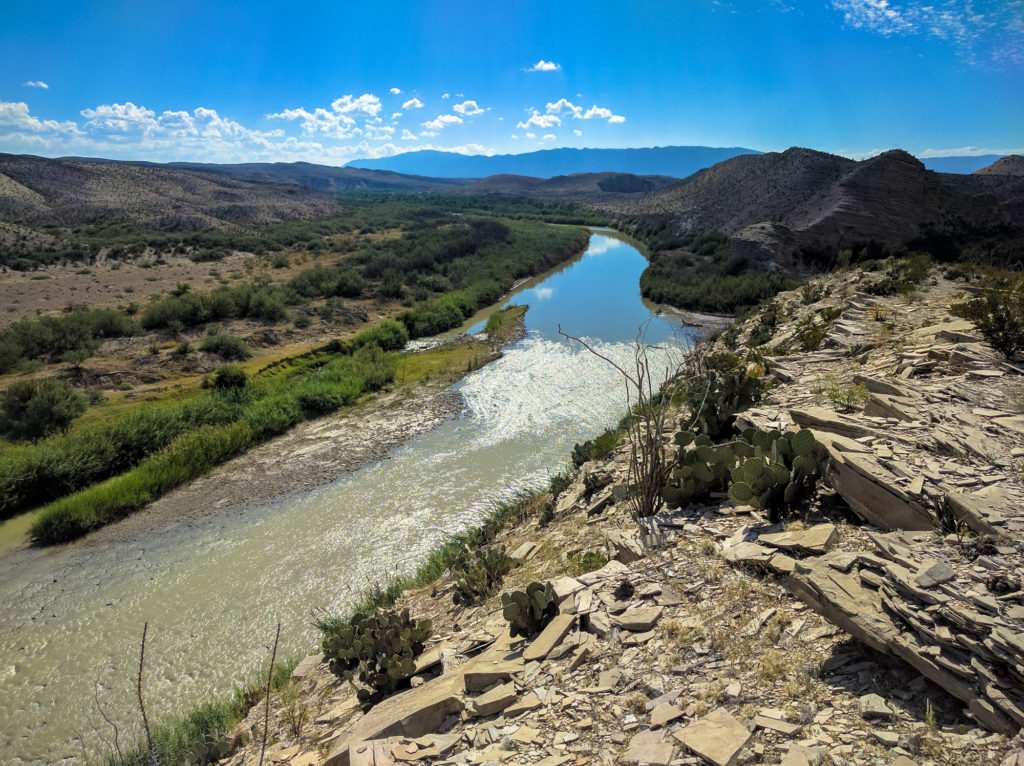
960, 164
675, 161
783, 205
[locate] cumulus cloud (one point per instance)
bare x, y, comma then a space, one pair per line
544, 66
36, 84
15, 115
413, 103
563, 106
396, 115
121, 117
549, 137
446, 95
395, 91
366, 103
538, 120
566, 107
442, 121
407, 136
468, 108
577, 132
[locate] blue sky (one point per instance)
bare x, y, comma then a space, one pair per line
334, 81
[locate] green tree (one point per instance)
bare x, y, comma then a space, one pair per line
32, 409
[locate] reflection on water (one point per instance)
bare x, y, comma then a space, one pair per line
213, 591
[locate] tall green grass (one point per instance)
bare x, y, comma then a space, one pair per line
188, 448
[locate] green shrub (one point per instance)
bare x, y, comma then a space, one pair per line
389, 335
226, 347
229, 376
273, 415
32, 409
598, 448
581, 563
999, 316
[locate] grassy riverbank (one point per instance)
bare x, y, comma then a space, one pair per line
224, 421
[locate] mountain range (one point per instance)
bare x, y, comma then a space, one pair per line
675, 161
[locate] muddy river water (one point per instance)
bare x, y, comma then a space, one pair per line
213, 590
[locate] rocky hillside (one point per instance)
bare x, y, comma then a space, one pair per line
578, 187
708, 635
1012, 165
35, 190
324, 178
792, 205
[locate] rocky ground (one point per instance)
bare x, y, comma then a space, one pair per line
856, 634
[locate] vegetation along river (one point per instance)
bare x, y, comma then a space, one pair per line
213, 590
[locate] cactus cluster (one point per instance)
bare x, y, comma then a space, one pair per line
530, 611
780, 473
381, 646
716, 397
209, 749
477, 575
700, 470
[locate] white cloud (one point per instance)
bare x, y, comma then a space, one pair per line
336, 122
407, 136
442, 121
514, 137
531, 135
395, 91
446, 95
989, 34
15, 115
538, 120
549, 137
366, 103
563, 106
36, 84
413, 103
396, 115
964, 151
429, 133
468, 108
378, 132
544, 66
577, 132
120, 117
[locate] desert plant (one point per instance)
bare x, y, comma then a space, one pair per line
210, 749
229, 376
716, 396
226, 347
529, 611
780, 473
647, 415
999, 316
381, 647
478, 574
32, 409
700, 470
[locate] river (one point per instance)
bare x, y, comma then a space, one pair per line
212, 591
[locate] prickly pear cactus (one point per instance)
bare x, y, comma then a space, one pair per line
477, 575
699, 468
380, 647
208, 750
779, 475
529, 611
717, 396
